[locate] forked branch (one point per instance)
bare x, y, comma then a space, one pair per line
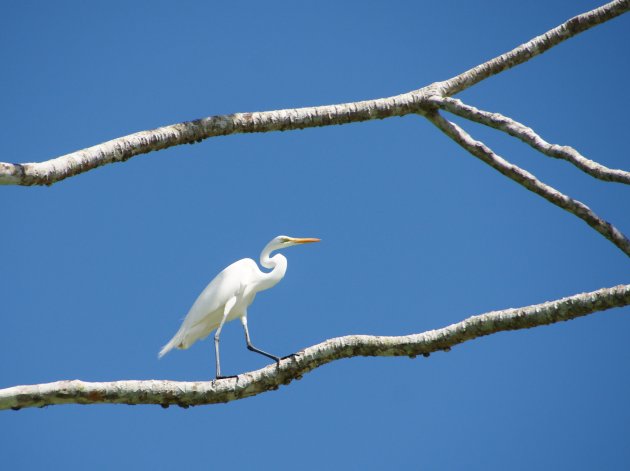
187, 394
123, 148
529, 181
529, 136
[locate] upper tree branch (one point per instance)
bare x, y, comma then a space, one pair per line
123, 148
529, 136
529, 181
249, 384
536, 46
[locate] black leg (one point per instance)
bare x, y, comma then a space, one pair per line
251, 347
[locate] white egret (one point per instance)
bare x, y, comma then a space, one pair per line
228, 296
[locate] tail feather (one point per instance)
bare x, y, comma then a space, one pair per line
186, 336
166, 348
175, 342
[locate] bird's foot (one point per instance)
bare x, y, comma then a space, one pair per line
226, 377
292, 355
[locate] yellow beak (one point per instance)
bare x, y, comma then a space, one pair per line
304, 240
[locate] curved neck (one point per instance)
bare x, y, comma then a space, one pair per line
278, 266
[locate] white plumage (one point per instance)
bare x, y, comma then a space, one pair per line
228, 296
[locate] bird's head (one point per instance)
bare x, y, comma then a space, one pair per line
279, 243
283, 241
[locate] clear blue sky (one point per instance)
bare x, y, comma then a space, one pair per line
98, 270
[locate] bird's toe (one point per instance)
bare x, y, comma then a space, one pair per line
227, 377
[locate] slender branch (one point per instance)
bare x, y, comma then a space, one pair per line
529, 181
189, 132
187, 394
529, 136
534, 47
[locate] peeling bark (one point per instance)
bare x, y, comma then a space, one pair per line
186, 394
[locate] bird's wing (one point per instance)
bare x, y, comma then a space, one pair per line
225, 285
220, 296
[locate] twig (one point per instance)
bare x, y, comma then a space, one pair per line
529, 181
534, 47
529, 136
187, 394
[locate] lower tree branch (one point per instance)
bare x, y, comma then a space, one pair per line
529, 181
185, 394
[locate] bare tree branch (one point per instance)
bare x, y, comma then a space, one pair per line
422, 101
529, 136
123, 148
189, 132
187, 394
534, 47
529, 181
